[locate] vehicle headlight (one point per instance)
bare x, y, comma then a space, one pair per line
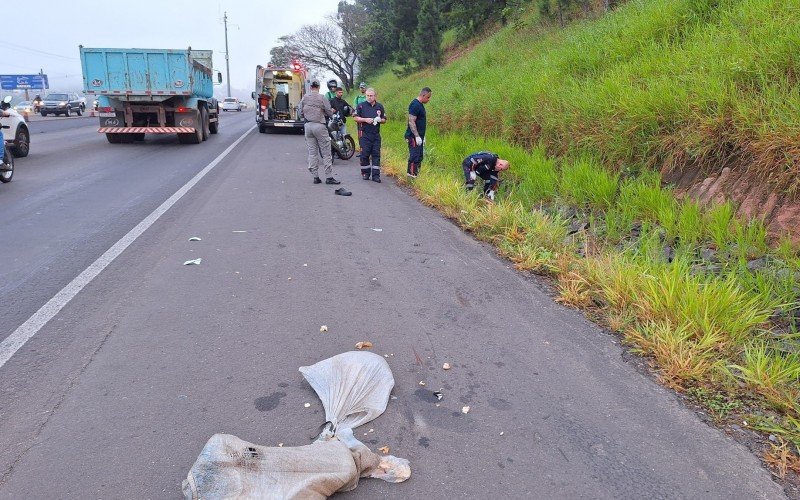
62, 104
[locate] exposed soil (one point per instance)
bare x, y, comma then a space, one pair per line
749, 192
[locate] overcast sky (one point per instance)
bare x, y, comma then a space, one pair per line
45, 34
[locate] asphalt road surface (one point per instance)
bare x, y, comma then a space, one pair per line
116, 395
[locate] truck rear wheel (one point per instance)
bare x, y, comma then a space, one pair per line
205, 132
213, 127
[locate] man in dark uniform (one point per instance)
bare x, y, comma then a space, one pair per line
415, 132
487, 166
369, 116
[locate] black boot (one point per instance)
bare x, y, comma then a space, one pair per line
317, 180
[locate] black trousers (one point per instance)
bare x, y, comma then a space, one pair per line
415, 155
370, 153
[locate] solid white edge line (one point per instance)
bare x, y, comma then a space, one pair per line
29, 328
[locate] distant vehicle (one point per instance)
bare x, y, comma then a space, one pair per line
152, 91
61, 104
232, 104
24, 107
17, 137
277, 95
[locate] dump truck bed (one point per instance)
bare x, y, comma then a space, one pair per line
147, 74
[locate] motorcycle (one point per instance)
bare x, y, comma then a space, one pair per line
342, 144
7, 165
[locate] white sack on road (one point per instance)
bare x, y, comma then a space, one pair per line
354, 388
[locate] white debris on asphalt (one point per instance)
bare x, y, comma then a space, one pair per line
307, 405
465, 410
377, 229
239, 231
446, 366
323, 328
195, 238
193, 262
421, 383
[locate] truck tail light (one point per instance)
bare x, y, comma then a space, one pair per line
181, 109
105, 109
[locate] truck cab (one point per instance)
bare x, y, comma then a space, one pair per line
277, 95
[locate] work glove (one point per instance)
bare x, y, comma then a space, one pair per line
490, 195
473, 176
418, 140
376, 120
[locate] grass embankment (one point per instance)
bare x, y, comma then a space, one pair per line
584, 114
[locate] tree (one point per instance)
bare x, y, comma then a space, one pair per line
323, 46
280, 56
428, 35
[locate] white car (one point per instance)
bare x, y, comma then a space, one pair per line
232, 104
17, 137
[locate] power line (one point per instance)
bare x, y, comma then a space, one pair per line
42, 52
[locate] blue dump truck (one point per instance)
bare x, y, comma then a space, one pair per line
152, 91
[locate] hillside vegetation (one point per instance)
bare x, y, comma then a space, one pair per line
681, 83
590, 116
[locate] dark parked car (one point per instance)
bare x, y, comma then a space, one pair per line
61, 104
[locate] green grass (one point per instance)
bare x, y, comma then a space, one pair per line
587, 116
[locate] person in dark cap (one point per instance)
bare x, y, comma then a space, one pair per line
316, 110
362, 87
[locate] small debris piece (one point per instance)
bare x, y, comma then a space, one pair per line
323, 328
195, 238
239, 231
377, 229
194, 262
422, 383
363, 345
392, 397
307, 405
465, 410
384, 450
446, 366
305, 265
438, 395
502, 433
280, 445
289, 278
371, 430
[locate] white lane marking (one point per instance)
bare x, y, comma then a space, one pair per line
27, 330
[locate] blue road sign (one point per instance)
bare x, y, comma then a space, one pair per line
21, 82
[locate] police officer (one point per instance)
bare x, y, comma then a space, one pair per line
487, 166
316, 110
369, 116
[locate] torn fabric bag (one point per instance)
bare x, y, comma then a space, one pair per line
354, 388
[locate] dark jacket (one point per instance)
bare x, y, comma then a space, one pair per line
341, 107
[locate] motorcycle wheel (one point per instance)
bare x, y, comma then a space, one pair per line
6, 176
349, 148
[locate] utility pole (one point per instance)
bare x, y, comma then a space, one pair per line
227, 60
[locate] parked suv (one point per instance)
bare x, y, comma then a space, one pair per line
61, 104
